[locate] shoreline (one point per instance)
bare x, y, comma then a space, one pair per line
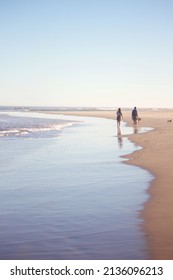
155, 157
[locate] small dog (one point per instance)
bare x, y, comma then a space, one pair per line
169, 120
136, 121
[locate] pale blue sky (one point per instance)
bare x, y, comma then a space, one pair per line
115, 53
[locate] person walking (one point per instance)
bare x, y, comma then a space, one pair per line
119, 116
135, 116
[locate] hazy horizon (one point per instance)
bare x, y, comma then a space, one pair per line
25, 107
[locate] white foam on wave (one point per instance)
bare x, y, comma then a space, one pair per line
14, 124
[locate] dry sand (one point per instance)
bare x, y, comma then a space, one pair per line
157, 157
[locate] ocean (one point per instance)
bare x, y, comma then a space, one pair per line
65, 191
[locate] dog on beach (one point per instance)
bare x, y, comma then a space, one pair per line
136, 121
169, 120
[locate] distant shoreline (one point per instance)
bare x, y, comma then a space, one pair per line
57, 109
156, 157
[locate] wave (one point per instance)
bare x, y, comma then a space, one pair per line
12, 125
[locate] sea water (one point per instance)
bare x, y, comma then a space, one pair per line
65, 192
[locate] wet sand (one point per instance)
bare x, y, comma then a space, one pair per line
157, 157
63, 196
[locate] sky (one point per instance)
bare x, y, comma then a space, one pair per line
107, 53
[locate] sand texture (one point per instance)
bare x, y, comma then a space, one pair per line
157, 157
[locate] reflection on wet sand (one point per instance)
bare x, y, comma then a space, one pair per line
135, 128
119, 136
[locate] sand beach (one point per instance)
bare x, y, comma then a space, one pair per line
156, 157
74, 185
41, 216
